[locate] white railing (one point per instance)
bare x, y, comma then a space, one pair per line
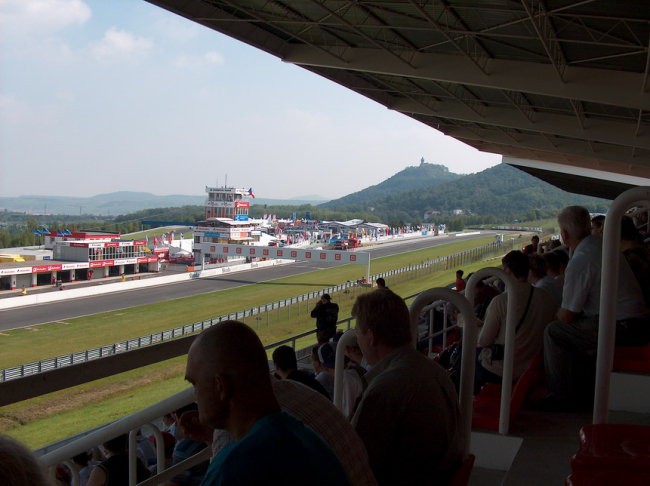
509, 345
637, 196
470, 336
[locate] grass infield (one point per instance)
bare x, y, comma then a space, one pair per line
52, 417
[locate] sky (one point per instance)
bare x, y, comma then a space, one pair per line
99, 96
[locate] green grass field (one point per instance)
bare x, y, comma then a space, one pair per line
49, 418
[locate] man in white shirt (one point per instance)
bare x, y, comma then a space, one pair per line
570, 342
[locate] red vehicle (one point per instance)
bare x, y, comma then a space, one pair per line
354, 243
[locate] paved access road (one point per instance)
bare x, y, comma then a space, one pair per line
56, 311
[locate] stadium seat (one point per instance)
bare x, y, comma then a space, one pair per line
632, 359
487, 404
613, 446
462, 474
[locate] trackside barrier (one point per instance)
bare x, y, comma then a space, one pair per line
433, 265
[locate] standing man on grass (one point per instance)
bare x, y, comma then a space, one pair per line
326, 314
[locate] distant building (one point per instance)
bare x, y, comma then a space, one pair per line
83, 255
227, 202
226, 221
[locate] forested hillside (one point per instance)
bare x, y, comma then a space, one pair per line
500, 193
410, 179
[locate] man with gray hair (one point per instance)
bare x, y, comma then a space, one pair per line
570, 342
408, 417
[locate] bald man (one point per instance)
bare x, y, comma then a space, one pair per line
228, 367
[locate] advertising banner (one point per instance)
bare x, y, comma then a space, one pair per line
294, 253
15, 271
46, 268
74, 266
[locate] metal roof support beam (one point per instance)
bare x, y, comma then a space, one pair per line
472, 49
597, 130
586, 84
542, 25
611, 158
520, 102
363, 34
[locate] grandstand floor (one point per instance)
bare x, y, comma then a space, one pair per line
550, 440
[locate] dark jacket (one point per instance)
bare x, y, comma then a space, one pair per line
326, 315
308, 380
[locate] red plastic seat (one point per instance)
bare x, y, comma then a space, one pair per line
613, 446
632, 359
487, 404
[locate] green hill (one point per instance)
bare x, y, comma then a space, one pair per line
501, 192
410, 179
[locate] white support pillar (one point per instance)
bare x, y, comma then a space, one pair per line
509, 345
608, 296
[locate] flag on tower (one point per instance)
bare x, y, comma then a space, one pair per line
250, 192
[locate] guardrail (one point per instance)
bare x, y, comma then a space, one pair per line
437, 264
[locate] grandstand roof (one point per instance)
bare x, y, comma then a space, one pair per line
563, 82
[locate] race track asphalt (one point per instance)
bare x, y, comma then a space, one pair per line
67, 309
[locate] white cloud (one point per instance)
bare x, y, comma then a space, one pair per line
210, 58
214, 57
121, 44
42, 15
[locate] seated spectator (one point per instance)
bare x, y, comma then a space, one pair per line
186, 448
483, 295
538, 277
532, 247
84, 465
637, 256
286, 367
535, 308
325, 379
460, 283
597, 224
353, 383
115, 469
315, 411
570, 342
556, 262
19, 466
228, 367
408, 417
381, 283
